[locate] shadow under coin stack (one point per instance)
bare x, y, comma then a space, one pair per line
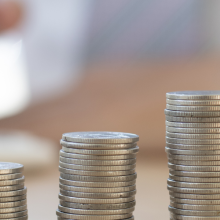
98, 178
13, 204
193, 149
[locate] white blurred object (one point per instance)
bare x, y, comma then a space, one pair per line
14, 88
31, 151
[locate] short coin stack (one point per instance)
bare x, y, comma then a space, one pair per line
13, 204
98, 178
193, 149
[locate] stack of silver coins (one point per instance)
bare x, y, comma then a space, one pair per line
193, 149
13, 203
97, 176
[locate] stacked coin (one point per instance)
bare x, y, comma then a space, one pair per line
193, 149
13, 204
98, 178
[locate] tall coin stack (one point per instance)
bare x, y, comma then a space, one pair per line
13, 204
193, 149
97, 176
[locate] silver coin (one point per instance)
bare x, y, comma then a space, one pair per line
192, 114
193, 158
96, 168
97, 195
192, 136
13, 209
18, 218
194, 95
98, 162
193, 147
11, 176
12, 198
13, 215
93, 217
98, 179
192, 120
192, 125
101, 152
184, 217
12, 204
97, 184
6, 168
12, 182
209, 197
97, 190
95, 212
96, 201
97, 146
97, 173
11, 188
192, 152
193, 212
194, 163
13, 193
195, 207
59, 218
194, 179
205, 131
193, 190
193, 108
100, 137
98, 206
174, 183
193, 141
194, 174
97, 157
195, 201
193, 102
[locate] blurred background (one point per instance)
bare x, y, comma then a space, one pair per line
99, 66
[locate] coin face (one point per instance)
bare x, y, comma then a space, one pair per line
6, 168
101, 137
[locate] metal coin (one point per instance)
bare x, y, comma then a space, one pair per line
95, 212
193, 141
96, 201
11, 188
98, 190
192, 185
13, 215
97, 157
93, 217
192, 120
193, 147
6, 168
194, 95
98, 162
193, 108
10, 176
205, 131
59, 218
12, 198
97, 184
194, 179
11, 182
101, 152
12, 204
18, 218
96, 168
98, 206
100, 137
192, 114
99, 179
97, 173
192, 125
13, 193
13, 209
194, 174
183, 217
97, 195
193, 102
192, 152
194, 163
193, 212
96, 146
194, 158
192, 136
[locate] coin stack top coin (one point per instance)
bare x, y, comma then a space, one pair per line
193, 150
13, 203
97, 175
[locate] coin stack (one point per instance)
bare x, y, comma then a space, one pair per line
98, 178
13, 204
193, 149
